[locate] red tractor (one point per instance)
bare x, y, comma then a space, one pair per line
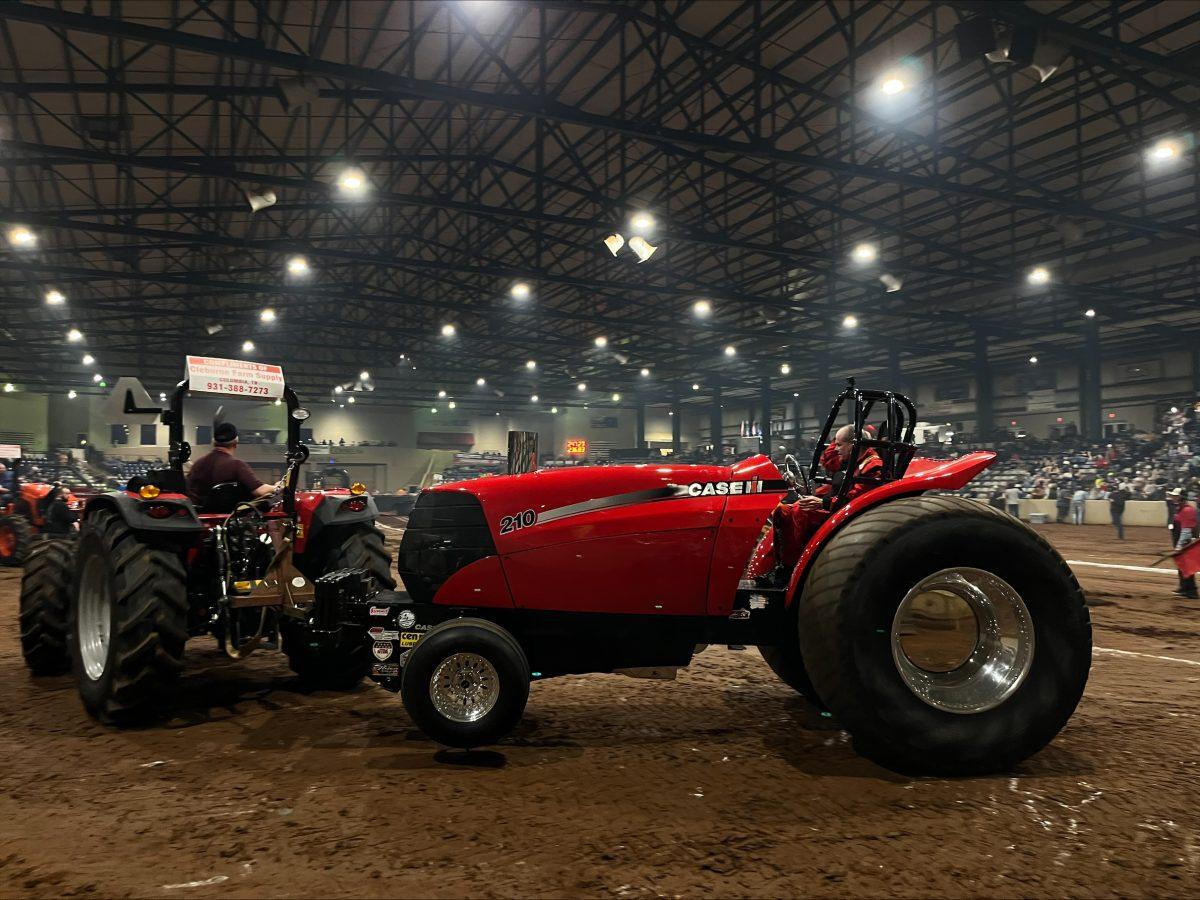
151, 570
947, 637
33, 511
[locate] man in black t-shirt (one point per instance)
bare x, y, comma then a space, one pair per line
221, 466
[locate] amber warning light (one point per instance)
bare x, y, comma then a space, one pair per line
576, 447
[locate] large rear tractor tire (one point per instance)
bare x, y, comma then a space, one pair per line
16, 538
128, 621
340, 660
787, 662
947, 637
45, 599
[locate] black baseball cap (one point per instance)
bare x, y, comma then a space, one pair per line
225, 433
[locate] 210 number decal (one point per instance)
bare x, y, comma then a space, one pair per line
509, 524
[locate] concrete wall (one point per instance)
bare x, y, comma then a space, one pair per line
1097, 512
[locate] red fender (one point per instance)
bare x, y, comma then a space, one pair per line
922, 475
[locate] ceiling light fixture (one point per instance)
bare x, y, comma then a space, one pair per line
642, 248
702, 309
88, 359
74, 335
247, 346
297, 266
785, 369
520, 291
71, 395
22, 237
267, 315
352, 182
1039, 275
601, 342
645, 373
448, 330
614, 242
850, 321
531, 364
730, 350
864, 254
55, 298
641, 223
479, 382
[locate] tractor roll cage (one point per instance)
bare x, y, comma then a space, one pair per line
894, 444
180, 451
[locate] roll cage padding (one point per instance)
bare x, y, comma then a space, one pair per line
894, 445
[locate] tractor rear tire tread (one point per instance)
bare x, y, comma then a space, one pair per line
45, 599
150, 627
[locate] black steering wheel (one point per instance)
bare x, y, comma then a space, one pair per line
794, 475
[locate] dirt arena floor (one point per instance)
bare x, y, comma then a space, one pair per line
720, 784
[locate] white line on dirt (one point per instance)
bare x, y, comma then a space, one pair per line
1080, 562
389, 527
1186, 662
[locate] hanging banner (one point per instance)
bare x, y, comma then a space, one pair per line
234, 377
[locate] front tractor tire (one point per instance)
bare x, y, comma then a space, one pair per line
947, 637
466, 683
127, 624
45, 598
16, 537
337, 661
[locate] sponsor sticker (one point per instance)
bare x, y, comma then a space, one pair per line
403, 658
382, 650
739, 614
385, 669
409, 638
378, 633
378, 611
406, 619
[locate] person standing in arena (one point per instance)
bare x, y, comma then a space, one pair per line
1116, 508
1062, 505
1012, 500
1077, 501
1185, 528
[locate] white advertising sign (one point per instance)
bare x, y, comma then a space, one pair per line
234, 377
10, 451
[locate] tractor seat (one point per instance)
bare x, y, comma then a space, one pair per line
223, 498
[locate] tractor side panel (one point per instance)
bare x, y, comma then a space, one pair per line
740, 532
654, 572
481, 583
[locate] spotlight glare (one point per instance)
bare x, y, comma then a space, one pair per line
97, 378
452, 405
88, 359
71, 395
20, 236
864, 253
695, 387
616, 398
531, 364
850, 321
581, 387
1164, 151
702, 309
337, 389
74, 335
785, 369
349, 399
892, 85
601, 342
247, 346
55, 298
520, 291
533, 398
730, 350
441, 395
1033, 360
554, 410
297, 266
364, 375
8, 387
352, 182
641, 223
267, 315
479, 382
1090, 313
645, 373
1038, 275
448, 330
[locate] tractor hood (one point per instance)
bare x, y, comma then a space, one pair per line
559, 493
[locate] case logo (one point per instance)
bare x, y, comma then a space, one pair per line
724, 488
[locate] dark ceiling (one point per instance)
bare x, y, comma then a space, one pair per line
504, 140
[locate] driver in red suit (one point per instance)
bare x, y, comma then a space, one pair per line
795, 523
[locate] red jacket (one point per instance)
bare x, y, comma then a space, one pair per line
1186, 515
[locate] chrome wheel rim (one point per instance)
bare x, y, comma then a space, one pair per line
963, 640
94, 617
464, 687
